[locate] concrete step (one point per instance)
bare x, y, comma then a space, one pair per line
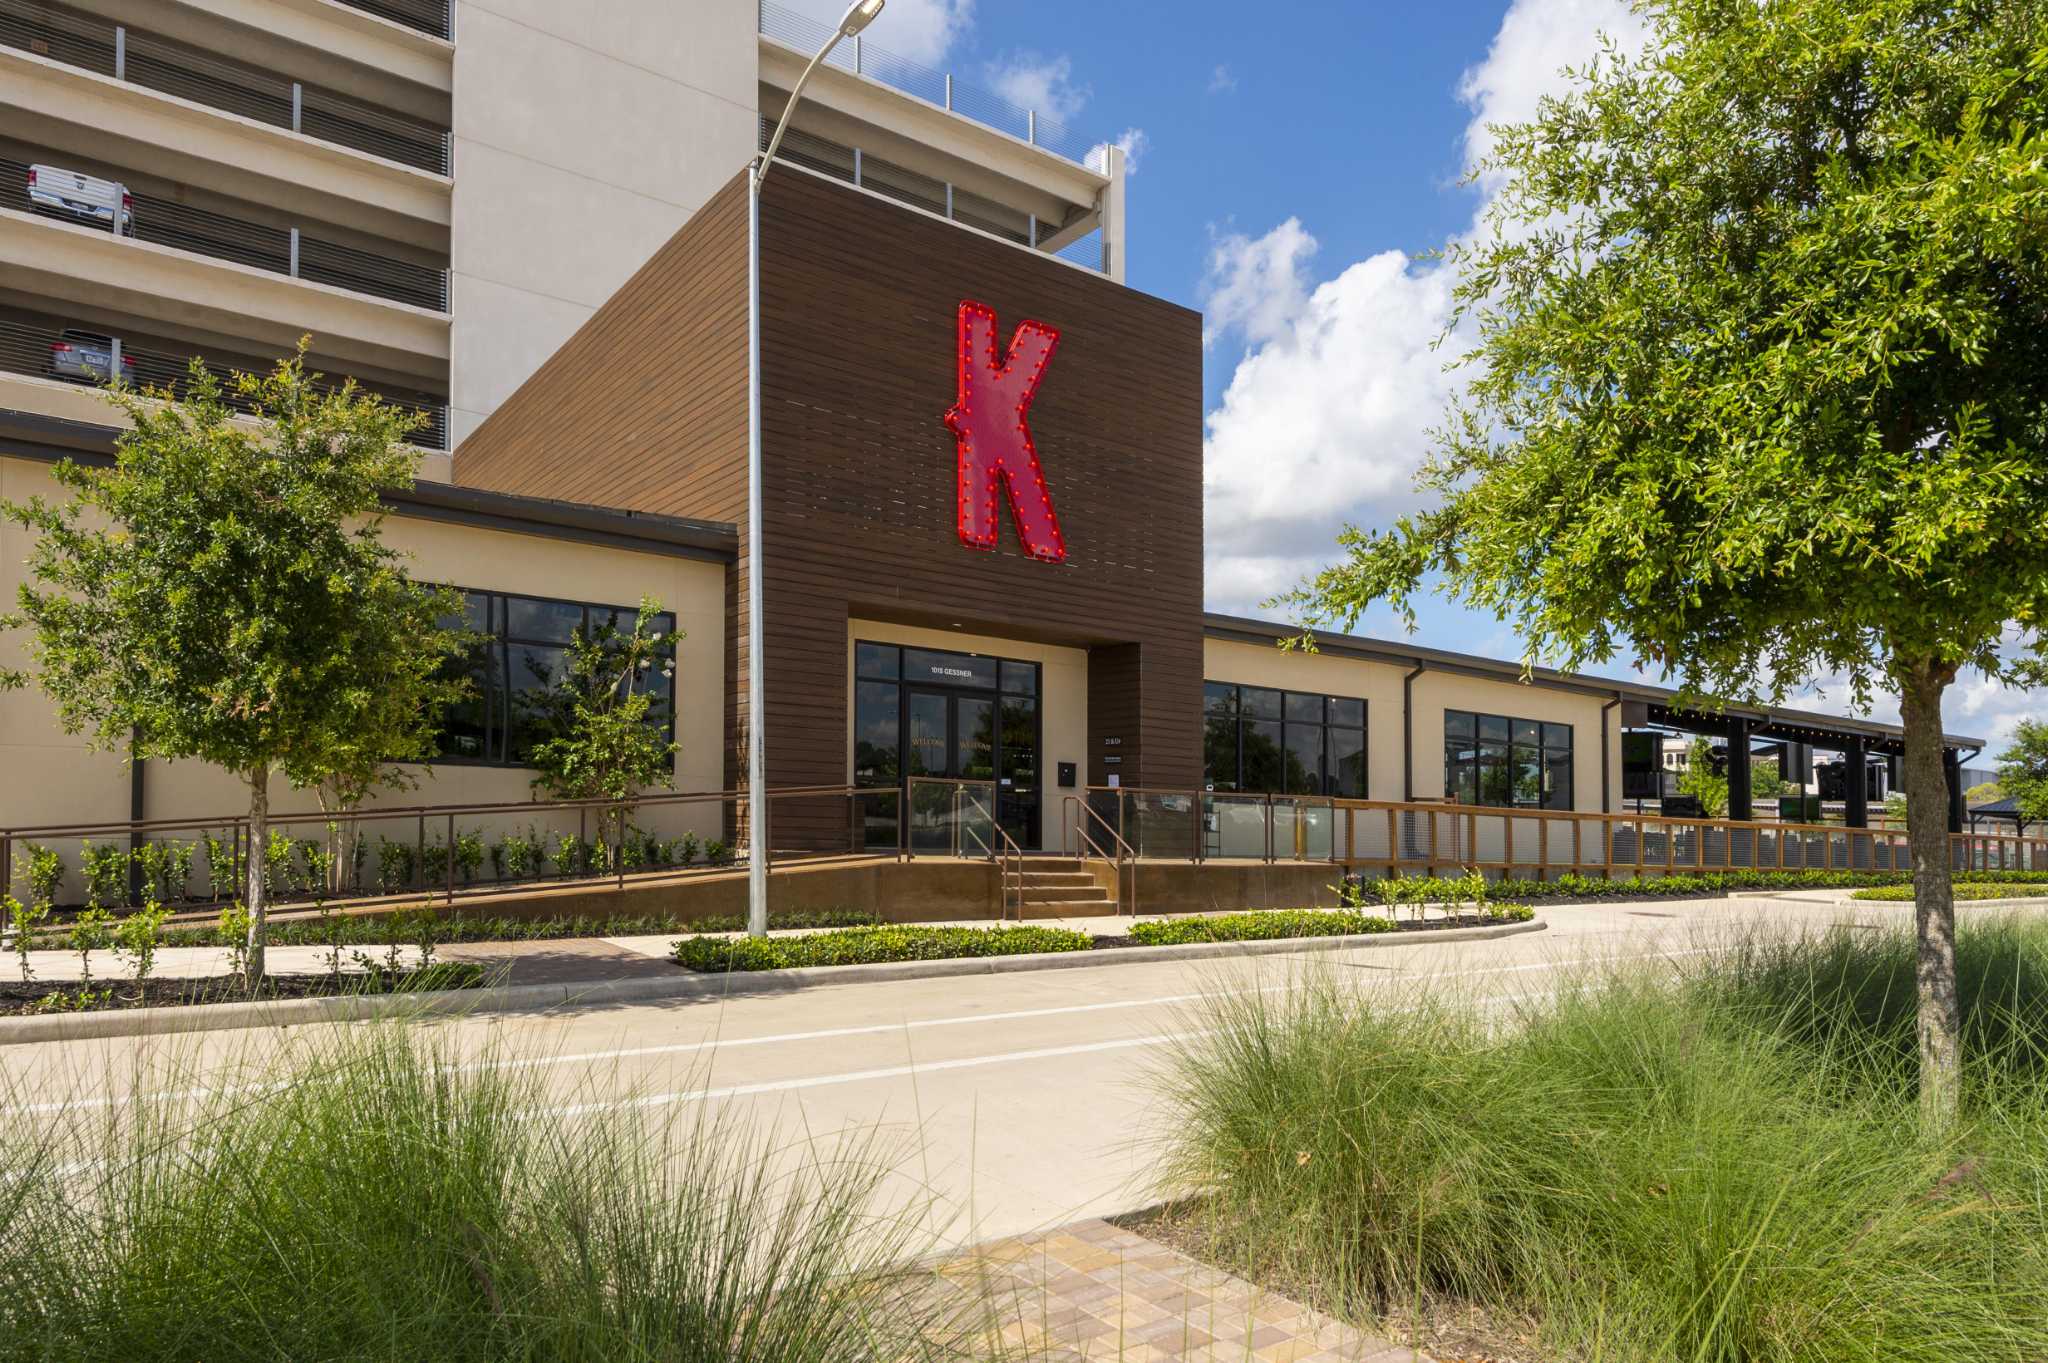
1064, 894
1089, 908
1058, 878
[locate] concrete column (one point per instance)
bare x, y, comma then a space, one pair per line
1738, 770
1856, 784
1113, 209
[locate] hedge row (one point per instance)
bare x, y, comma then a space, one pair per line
1964, 890
867, 946
1572, 885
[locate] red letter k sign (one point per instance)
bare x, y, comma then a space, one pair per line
992, 421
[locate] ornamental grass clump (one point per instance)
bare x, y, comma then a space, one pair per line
1723, 1163
384, 1199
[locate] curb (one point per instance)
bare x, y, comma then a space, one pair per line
221, 1017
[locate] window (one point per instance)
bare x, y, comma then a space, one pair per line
517, 668
1509, 763
1255, 738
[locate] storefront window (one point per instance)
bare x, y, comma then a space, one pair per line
1255, 738
1507, 763
517, 670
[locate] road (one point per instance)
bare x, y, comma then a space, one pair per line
1017, 1100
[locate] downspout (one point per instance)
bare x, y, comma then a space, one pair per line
1606, 759
1408, 732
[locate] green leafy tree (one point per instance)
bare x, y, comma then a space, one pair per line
1701, 781
1766, 782
2023, 770
222, 593
605, 741
1758, 380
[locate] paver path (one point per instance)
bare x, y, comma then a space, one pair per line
1097, 1292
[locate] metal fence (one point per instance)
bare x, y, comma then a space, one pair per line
82, 40
807, 35
31, 348
1396, 837
290, 250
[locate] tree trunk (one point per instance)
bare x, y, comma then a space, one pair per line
342, 836
258, 890
1934, 912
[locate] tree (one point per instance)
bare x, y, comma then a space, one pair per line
1759, 380
222, 592
605, 743
1766, 782
1702, 782
2023, 770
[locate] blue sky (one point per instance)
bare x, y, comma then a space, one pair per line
1288, 171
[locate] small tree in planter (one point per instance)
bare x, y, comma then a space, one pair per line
604, 745
222, 593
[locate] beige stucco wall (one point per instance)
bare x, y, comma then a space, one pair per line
54, 778
585, 136
1379, 684
1063, 695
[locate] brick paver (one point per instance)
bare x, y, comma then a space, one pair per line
1098, 1293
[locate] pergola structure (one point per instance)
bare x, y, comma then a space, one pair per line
2001, 811
1856, 740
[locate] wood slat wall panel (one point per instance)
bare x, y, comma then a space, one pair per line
645, 407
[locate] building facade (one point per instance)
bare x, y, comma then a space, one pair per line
438, 192
982, 451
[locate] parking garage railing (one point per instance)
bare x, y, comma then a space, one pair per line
806, 35
851, 165
33, 348
287, 250
431, 17
83, 40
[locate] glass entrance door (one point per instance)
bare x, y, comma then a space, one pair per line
951, 737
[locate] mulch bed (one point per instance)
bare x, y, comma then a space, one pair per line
39, 998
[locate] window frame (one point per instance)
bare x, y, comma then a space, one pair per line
1240, 707
1484, 754
498, 646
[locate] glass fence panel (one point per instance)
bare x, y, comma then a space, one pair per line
952, 818
1161, 824
1234, 826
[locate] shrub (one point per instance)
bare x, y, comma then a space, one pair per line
717, 853
106, 874
135, 937
1963, 891
518, 857
390, 1200
166, 869
91, 931
24, 920
45, 874
221, 870
864, 946
396, 864
1258, 925
1718, 1165
469, 855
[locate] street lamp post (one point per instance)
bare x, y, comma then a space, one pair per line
858, 16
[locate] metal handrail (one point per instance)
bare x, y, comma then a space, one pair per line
1126, 855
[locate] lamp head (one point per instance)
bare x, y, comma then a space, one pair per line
859, 15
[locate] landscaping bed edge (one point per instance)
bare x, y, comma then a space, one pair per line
215, 1017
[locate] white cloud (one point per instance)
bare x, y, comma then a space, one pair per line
1221, 82
1134, 144
1337, 382
922, 30
1035, 82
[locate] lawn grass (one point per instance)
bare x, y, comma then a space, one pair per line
1718, 1167
1971, 890
386, 1200
866, 946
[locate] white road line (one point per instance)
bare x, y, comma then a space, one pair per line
715, 1043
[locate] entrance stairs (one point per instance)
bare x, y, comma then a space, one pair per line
1056, 887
